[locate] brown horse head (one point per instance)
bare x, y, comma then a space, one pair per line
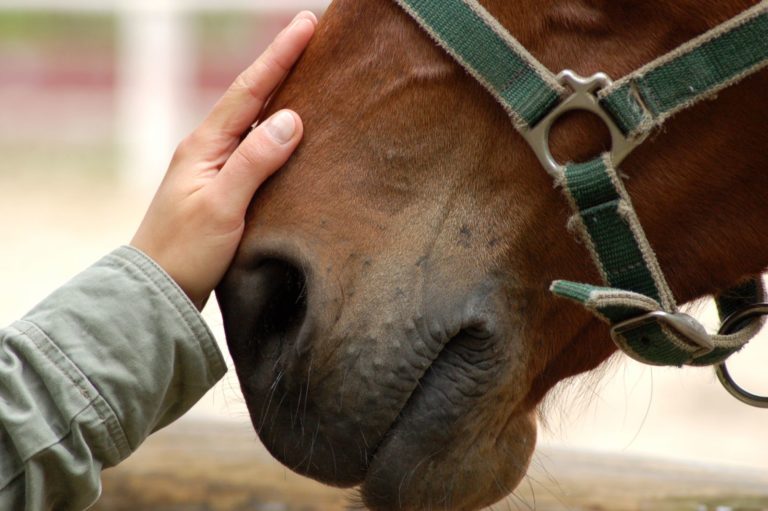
388, 311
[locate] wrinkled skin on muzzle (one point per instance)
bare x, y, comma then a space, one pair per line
388, 311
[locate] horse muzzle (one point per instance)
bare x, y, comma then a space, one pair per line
352, 377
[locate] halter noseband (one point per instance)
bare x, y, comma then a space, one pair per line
636, 299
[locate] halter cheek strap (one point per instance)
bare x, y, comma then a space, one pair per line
638, 302
635, 299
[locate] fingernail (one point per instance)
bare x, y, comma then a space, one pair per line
281, 126
303, 16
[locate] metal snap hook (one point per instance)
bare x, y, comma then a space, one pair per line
583, 98
730, 325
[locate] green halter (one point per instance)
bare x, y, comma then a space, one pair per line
636, 300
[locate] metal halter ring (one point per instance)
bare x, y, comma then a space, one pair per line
731, 325
582, 98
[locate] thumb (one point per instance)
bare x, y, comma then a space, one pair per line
263, 151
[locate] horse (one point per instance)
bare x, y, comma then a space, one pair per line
389, 311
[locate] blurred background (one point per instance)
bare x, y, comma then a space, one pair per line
94, 96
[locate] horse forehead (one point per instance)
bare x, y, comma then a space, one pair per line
579, 15
618, 34
631, 17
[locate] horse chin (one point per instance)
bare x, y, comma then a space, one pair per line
469, 471
460, 441
448, 447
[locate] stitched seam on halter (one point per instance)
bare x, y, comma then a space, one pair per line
626, 269
678, 342
537, 88
545, 74
526, 104
576, 224
688, 47
518, 122
656, 110
665, 116
601, 298
583, 234
532, 106
649, 256
641, 114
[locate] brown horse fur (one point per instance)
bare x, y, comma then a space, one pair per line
421, 236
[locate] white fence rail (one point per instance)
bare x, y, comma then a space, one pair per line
156, 60
159, 5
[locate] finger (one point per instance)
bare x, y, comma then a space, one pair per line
237, 110
265, 150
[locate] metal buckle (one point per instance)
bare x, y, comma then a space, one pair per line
730, 326
682, 324
583, 98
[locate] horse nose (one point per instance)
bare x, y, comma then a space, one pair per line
276, 296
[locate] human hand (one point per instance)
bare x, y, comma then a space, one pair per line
196, 219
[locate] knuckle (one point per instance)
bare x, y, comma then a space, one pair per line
212, 209
209, 206
253, 153
253, 163
274, 62
182, 149
244, 83
218, 212
187, 146
251, 80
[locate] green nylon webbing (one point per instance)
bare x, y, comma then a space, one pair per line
604, 214
606, 221
638, 102
653, 344
647, 97
597, 194
526, 89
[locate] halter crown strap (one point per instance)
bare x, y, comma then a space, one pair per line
638, 301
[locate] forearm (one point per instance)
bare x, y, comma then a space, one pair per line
86, 376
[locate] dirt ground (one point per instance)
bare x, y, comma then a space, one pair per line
220, 466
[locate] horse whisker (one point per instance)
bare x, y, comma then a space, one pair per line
272, 392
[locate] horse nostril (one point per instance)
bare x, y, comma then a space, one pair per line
275, 303
285, 309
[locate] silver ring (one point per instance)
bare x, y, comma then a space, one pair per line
582, 98
729, 326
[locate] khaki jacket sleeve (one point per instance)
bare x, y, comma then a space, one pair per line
86, 376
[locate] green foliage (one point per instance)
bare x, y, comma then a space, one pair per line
230, 29
24, 26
